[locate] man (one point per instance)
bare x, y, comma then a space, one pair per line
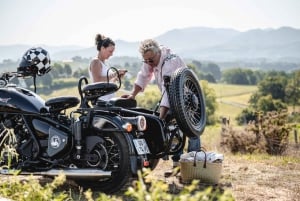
159, 61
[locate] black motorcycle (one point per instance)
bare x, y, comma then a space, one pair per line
98, 144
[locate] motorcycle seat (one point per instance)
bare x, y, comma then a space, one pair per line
58, 104
123, 102
98, 89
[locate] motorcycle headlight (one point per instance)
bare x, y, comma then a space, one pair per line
139, 122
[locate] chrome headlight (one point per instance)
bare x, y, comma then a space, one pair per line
139, 122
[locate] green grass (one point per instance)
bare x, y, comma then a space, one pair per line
225, 90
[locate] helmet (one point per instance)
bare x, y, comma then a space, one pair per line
35, 61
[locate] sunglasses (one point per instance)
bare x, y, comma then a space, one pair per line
150, 60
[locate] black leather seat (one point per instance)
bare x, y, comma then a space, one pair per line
58, 104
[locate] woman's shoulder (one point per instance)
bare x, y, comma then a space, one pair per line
95, 62
95, 59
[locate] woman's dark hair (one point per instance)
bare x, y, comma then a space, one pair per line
101, 40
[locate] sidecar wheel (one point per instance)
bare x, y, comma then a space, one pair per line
119, 164
187, 102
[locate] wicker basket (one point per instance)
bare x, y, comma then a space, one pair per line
204, 171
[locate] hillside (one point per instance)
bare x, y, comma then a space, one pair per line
202, 43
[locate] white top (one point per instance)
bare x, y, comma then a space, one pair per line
103, 73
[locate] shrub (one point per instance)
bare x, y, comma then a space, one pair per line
268, 133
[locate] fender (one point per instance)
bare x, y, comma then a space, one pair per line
105, 123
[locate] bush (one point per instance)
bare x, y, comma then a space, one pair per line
268, 133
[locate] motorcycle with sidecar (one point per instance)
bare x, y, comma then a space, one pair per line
98, 144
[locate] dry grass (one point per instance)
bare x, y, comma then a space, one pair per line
251, 176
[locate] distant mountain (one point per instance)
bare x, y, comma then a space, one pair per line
201, 43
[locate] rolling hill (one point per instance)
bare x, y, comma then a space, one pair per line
203, 43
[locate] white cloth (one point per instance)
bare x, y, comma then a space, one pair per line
210, 156
103, 73
146, 73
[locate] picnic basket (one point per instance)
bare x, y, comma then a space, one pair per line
203, 170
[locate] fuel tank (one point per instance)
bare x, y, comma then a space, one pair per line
17, 99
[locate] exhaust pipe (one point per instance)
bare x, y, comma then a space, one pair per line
70, 173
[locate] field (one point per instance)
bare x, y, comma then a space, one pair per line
256, 177
248, 177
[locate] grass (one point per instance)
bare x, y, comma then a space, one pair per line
225, 90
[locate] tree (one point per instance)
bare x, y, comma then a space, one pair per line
210, 102
68, 69
292, 90
47, 80
214, 69
235, 76
274, 86
267, 103
56, 70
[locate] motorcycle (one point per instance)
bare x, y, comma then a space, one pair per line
98, 144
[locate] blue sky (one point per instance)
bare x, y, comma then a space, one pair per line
75, 22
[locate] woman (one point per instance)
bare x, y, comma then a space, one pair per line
98, 68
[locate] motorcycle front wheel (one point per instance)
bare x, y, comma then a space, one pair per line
118, 162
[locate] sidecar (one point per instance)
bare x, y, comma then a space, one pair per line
163, 137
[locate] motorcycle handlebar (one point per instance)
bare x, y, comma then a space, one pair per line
7, 76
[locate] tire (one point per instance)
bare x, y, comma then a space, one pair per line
187, 102
118, 152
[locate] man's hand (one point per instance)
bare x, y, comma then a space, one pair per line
129, 96
122, 72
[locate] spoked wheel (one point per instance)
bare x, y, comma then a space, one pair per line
177, 142
187, 102
175, 137
113, 156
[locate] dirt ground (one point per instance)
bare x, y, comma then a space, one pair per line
273, 178
248, 178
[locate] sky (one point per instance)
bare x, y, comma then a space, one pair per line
76, 22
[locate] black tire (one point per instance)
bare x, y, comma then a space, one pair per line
118, 152
187, 102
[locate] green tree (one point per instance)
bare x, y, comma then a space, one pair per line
47, 80
214, 69
149, 98
56, 70
274, 86
210, 102
235, 76
267, 103
292, 90
68, 69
